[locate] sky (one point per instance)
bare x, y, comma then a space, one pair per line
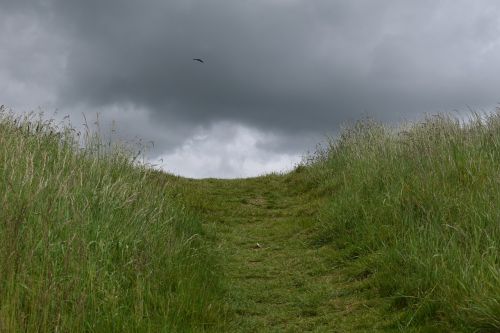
278, 75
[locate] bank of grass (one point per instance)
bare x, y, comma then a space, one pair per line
90, 241
417, 210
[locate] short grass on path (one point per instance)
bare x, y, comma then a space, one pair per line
278, 281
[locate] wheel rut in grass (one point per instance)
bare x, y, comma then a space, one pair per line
278, 281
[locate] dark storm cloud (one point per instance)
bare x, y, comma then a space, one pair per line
288, 65
291, 66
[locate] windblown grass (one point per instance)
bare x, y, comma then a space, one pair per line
89, 240
418, 209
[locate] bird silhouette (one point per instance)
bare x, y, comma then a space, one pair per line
199, 60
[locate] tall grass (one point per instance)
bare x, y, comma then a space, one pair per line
419, 208
90, 242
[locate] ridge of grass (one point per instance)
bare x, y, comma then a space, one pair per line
417, 209
90, 243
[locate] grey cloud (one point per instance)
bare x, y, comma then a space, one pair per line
31, 58
293, 67
281, 64
227, 150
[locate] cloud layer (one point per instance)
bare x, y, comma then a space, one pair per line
288, 67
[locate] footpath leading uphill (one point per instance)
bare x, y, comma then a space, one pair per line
278, 280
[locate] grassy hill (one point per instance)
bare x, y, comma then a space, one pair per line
90, 242
417, 210
384, 230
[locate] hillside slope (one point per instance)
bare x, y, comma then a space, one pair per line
383, 230
386, 229
90, 243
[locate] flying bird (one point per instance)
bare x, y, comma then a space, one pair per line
199, 60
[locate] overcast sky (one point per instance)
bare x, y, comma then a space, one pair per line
278, 75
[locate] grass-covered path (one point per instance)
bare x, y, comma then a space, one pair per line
278, 280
